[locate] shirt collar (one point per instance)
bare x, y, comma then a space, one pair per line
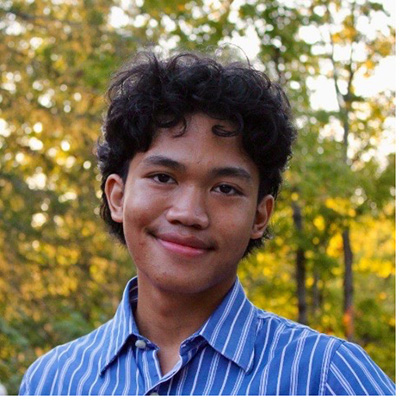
230, 330
121, 328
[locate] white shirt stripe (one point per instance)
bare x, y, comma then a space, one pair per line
239, 350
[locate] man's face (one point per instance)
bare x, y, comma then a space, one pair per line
189, 208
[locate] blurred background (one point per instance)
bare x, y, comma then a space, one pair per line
331, 263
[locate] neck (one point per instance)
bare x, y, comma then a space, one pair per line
168, 318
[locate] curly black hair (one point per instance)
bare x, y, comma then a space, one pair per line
149, 93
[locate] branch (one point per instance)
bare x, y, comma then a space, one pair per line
34, 18
350, 68
339, 95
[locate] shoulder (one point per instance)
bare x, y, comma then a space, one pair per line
309, 362
284, 333
46, 375
353, 372
295, 358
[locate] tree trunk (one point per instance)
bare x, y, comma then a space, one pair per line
316, 293
348, 316
301, 285
300, 267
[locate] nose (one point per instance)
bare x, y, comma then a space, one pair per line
189, 208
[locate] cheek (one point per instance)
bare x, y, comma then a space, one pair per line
236, 227
137, 217
140, 210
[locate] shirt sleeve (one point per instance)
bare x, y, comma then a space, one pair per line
23, 389
40, 376
352, 372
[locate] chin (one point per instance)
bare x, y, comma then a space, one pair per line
181, 286
194, 284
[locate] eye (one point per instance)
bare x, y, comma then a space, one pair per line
227, 190
162, 178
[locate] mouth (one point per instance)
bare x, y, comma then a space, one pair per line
183, 245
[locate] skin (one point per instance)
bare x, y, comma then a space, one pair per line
188, 208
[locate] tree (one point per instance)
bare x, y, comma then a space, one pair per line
61, 275
343, 35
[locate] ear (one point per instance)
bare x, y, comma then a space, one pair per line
114, 190
263, 214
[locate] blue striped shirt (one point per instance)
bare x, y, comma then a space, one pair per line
240, 350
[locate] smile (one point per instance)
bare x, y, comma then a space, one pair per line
186, 246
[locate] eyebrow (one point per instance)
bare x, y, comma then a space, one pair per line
235, 172
219, 172
163, 161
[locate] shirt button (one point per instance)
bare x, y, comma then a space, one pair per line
153, 394
140, 344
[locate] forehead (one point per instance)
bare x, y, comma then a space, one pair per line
201, 140
199, 152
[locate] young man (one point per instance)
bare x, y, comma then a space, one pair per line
192, 158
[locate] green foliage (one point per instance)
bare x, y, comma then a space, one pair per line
61, 275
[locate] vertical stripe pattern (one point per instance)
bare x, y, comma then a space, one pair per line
240, 350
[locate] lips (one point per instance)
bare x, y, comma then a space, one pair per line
185, 245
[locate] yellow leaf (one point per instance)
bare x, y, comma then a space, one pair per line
319, 222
